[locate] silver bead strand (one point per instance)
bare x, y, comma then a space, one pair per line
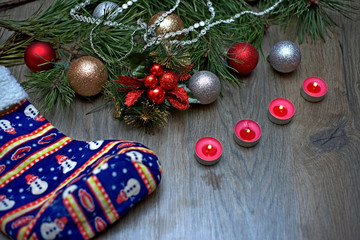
229, 20
150, 37
157, 22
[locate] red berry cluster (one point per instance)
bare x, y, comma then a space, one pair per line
159, 85
158, 81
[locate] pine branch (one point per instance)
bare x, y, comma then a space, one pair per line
309, 19
147, 117
51, 88
12, 50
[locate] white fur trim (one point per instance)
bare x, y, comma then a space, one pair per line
10, 90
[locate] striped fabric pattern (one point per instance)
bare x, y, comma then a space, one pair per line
55, 187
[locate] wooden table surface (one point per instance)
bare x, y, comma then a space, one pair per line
302, 181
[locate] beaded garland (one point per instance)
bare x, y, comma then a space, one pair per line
150, 37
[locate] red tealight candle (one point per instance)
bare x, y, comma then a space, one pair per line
247, 133
208, 150
281, 111
313, 89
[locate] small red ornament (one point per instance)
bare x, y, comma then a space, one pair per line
150, 81
157, 69
157, 94
243, 57
169, 80
38, 56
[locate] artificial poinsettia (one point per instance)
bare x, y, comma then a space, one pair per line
185, 73
177, 96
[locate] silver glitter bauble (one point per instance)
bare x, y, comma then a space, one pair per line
205, 86
104, 8
285, 56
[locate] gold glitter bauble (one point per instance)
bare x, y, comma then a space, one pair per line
171, 23
87, 76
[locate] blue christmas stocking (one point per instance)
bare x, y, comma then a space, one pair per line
55, 187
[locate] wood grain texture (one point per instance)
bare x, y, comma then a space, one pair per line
302, 181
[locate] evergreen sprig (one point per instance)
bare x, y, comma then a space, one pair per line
308, 19
143, 115
147, 117
51, 88
12, 50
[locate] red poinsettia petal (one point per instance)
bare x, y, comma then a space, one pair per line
188, 68
177, 103
180, 93
184, 75
133, 96
126, 89
129, 81
178, 98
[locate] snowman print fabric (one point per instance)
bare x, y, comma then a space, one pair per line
55, 187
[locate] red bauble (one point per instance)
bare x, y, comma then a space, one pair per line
157, 94
38, 56
243, 57
169, 80
157, 69
150, 81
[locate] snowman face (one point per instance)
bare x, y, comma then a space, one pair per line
49, 230
93, 145
31, 111
38, 186
68, 165
5, 125
135, 156
6, 204
132, 187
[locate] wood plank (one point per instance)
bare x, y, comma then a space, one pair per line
300, 182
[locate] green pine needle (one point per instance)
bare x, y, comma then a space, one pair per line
71, 37
309, 21
12, 50
51, 88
